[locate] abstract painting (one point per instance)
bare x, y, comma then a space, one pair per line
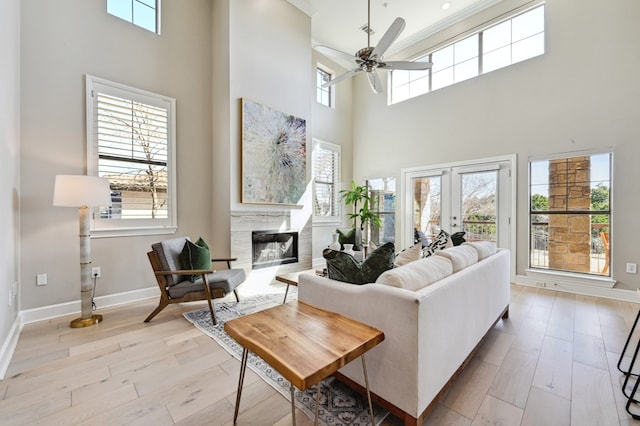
274, 153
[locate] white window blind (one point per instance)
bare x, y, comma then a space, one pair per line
131, 143
326, 170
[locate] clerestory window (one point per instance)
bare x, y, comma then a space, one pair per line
143, 13
131, 141
507, 42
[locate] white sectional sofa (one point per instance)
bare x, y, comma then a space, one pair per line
433, 311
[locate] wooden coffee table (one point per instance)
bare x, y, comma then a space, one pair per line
303, 343
291, 278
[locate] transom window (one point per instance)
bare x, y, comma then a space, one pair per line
143, 13
131, 142
324, 94
508, 42
570, 213
326, 180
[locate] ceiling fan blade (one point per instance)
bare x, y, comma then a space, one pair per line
388, 38
342, 58
374, 81
406, 65
341, 77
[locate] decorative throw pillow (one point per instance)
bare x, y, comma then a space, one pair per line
195, 256
457, 238
409, 255
344, 267
348, 236
440, 242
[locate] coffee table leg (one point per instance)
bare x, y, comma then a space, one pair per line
243, 368
366, 382
285, 294
319, 385
293, 405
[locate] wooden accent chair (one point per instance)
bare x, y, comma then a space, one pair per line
174, 283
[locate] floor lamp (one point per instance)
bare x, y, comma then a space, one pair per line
83, 192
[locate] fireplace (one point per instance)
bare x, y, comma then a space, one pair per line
270, 248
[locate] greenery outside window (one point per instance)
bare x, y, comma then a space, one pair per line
143, 13
131, 141
519, 37
570, 213
325, 160
382, 192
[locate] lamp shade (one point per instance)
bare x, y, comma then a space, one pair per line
81, 190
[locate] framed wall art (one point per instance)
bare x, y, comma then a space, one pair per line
274, 155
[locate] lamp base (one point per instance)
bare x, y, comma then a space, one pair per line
86, 322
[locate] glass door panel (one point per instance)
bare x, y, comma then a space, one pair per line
478, 208
427, 208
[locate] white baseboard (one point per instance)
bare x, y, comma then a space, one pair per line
28, 316
70, 308
9, 346
582, 289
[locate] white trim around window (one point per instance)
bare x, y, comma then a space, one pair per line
131, 140
326, 160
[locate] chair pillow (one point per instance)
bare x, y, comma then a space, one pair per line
349, 236
409, 255
344, 267
460, 256
195, 256
417, 275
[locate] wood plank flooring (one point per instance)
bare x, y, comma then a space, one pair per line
553, 362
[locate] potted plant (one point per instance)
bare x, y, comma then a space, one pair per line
359, 195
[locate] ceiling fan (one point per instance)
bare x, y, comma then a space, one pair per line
369, 59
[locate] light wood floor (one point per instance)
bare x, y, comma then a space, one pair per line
551, 363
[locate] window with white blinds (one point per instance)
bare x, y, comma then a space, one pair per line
326, 180
131, 142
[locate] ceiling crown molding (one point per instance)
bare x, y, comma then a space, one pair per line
304, 6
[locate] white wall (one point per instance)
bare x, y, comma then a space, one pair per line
581, 94
62, 40
9, 164
334, 125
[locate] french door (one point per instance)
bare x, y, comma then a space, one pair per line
472, 197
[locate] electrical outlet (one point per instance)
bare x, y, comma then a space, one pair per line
96, 272
41, 279
632, 268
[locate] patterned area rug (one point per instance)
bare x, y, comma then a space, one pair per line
340, 406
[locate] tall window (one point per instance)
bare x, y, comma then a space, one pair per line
131, 141
143, 13
323, 94
513, 40
326, 180
570, 213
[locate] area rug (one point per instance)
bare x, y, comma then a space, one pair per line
340, 405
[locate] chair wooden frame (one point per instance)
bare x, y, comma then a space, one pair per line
207, 293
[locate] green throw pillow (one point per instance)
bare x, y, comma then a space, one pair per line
344, 267
195, 256
348, 237
457, 238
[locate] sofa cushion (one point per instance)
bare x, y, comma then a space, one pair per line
195, 256
418, 274
440, 242
344, 267
484, 248
460, 256
409, 255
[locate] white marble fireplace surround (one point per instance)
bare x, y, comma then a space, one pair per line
245, 222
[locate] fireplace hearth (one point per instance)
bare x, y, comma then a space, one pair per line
273, 247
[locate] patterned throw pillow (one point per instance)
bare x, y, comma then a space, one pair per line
440, 242
346, 268
195, 256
